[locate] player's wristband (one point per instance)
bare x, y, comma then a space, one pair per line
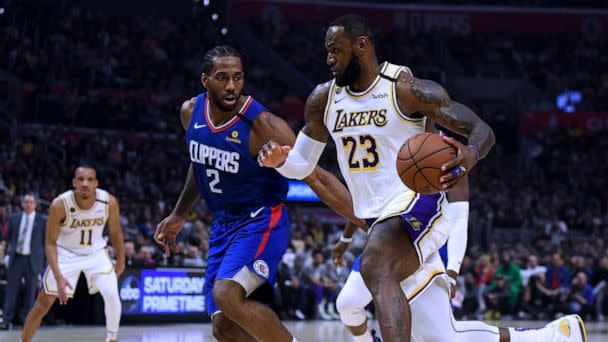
345, 239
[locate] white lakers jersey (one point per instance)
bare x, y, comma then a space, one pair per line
82, 230
369, 128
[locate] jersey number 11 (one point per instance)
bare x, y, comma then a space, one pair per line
82, 237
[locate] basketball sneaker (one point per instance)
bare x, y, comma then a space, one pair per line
569, 328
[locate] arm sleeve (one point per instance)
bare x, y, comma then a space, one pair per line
302, 158
457, 241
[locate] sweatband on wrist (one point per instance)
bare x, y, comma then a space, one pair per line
302, 158
345, 239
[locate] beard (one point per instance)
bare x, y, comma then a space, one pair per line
218, 100
350, 74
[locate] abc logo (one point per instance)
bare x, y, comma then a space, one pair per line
130, 293
130, 289
127, 293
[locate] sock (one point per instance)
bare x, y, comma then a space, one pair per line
530, 335
366, 337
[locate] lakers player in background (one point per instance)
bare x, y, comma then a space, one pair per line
74, 244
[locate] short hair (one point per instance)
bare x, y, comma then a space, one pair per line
354, 26
218, 51
85, 166
29, 193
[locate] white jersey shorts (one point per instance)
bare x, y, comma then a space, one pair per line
71, 264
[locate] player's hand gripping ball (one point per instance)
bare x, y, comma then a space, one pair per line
420, 159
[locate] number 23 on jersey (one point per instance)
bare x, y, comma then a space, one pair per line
370, 161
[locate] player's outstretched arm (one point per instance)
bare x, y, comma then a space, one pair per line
297, 160
116, 235
457, 212
431, 99
269, 127
53, 225
170, 226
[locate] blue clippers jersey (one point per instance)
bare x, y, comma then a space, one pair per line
228, 177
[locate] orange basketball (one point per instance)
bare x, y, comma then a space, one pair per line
419, 162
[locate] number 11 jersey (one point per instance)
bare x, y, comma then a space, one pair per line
82, 230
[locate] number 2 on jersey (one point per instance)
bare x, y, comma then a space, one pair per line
215, 174
82, 237
367, 143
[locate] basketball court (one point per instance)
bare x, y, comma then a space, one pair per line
309, 331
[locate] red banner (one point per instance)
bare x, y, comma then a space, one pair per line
585, 122
461, 19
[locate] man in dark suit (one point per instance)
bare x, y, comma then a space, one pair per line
26, 231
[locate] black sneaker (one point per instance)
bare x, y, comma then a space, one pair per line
376, 338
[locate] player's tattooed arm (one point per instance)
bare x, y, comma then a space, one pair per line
116, 235
431, 99
314, 111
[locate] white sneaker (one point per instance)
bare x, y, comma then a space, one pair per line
569, 328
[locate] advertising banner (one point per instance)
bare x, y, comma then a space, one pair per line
163, 291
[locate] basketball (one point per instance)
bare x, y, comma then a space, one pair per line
419, 162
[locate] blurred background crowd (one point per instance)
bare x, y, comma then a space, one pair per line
87, 85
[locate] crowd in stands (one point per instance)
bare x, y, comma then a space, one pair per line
77, 65
563, 208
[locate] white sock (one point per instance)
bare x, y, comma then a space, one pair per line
366, 337
530, 335
108, 287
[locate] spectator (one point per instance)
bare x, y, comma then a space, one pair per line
316, 286
288, 283
26, 259
600, 283
533, 269
579, 297
558, 275
193, 257
484, 272
3, 272
537, 300
497, 298
556, 230
129, 253
145, 257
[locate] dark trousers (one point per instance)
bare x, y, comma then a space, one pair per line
20, 268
